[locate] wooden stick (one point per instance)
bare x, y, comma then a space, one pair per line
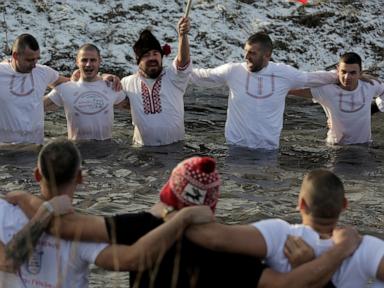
188, 8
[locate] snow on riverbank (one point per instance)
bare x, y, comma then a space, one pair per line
310, 37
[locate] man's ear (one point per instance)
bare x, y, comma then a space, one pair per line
37, 174
345, 203
79, 177
15, 55
303, 206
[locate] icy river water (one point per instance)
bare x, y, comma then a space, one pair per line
255, 184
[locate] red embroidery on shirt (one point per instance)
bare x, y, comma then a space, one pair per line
182, 68
152, 101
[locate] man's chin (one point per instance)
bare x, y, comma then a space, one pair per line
153, 73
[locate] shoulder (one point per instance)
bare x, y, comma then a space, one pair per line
44, 68
272, 224
128, 79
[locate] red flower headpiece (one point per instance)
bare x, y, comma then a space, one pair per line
166, 49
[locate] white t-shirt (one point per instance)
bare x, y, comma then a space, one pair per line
349, 112
54, 262
21, 103
158, 111
257, 99
354, 271
88, 107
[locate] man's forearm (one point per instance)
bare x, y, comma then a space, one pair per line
22, 244
183, 57
316, 273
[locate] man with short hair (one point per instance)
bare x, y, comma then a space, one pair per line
194, 181
257, 91
347, 104
89, 102
23, 83
47, 261
156, 93
321, 201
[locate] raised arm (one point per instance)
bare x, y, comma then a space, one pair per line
183, 53
73, 226
150, 248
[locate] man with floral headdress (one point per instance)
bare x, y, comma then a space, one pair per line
156, 93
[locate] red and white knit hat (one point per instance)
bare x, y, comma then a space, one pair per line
194, 181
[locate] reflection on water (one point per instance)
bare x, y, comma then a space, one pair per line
255, 184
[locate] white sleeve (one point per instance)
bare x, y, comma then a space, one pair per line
318, 95
275, 232
120, 96
179, 74
380, 97
211, 77
50, 75
371, 254
299, 79
55, 96
88, 251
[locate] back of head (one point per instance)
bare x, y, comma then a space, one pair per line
263, 40
59, 162
351, 58
146, 42
324, 194
194, 181
23, 41
89, 47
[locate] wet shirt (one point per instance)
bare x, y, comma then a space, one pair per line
198, 267
257, 99
88, 108
349, 112
355, 271
21, 103
158, 108
54, 262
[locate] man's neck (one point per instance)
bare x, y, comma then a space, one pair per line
63, 190
12, 62
89, 80
323, 227
349, 89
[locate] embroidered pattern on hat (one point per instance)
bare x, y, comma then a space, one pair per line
193, 195
193, 186
151, 102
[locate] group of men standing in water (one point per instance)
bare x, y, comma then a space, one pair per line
257, 91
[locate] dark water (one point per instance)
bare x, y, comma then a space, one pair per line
256, 184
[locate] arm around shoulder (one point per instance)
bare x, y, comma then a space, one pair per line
242, 239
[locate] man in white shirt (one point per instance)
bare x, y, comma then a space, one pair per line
23, 83
321, 201
347, 105
156, 93
257, 91
89, 102
60, 263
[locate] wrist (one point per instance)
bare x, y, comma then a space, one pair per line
48, 207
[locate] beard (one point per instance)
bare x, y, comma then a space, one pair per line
152, 69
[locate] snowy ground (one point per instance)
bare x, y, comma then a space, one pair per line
310, 37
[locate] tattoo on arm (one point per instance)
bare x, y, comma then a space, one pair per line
23, 243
